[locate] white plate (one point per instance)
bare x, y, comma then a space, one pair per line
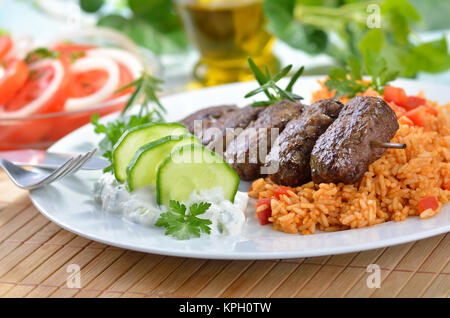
69, 203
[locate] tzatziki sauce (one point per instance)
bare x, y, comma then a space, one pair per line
140, 205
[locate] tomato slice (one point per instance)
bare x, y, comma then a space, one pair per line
14, 77
37, 96
42, 79
87, 83
396, 95
5, 45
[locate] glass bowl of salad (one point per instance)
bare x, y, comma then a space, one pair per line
49, 90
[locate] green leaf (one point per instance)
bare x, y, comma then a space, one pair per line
373, 40
259, 75
177, 207
281, 23
294, 79
161, 14
197, 209
432, 57
399, 15
180, 231
282, 73
114, 21
262, 103
183, 226
374, 64
355, 68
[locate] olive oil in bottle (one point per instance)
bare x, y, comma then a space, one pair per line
226, 33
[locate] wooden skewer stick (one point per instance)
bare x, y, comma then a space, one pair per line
395, 145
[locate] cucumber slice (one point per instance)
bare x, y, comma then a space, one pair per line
143, 168
190, 168
135, 138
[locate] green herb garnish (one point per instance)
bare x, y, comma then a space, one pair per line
268, 84
348, 82
182, 225
145, 88
144, 94
43, 53
352, 27
40, 54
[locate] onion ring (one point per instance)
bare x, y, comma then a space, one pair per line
123, 57
95, 63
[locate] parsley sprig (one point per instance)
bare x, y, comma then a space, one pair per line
349, 82
183, 225
268, 84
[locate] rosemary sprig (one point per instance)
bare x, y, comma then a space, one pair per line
145, 89
268, 84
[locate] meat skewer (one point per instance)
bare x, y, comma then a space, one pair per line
394, 145
344, 152
290, 154
244, 153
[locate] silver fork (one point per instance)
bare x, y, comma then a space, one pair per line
28, 180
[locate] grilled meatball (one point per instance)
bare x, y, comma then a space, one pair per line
237, 120
243, 153
343, 153
291, 151
209, 116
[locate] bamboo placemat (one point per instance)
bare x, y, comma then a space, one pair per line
36, 255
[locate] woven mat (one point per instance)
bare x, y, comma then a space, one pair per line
36, 258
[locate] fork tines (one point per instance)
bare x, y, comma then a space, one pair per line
71, 166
